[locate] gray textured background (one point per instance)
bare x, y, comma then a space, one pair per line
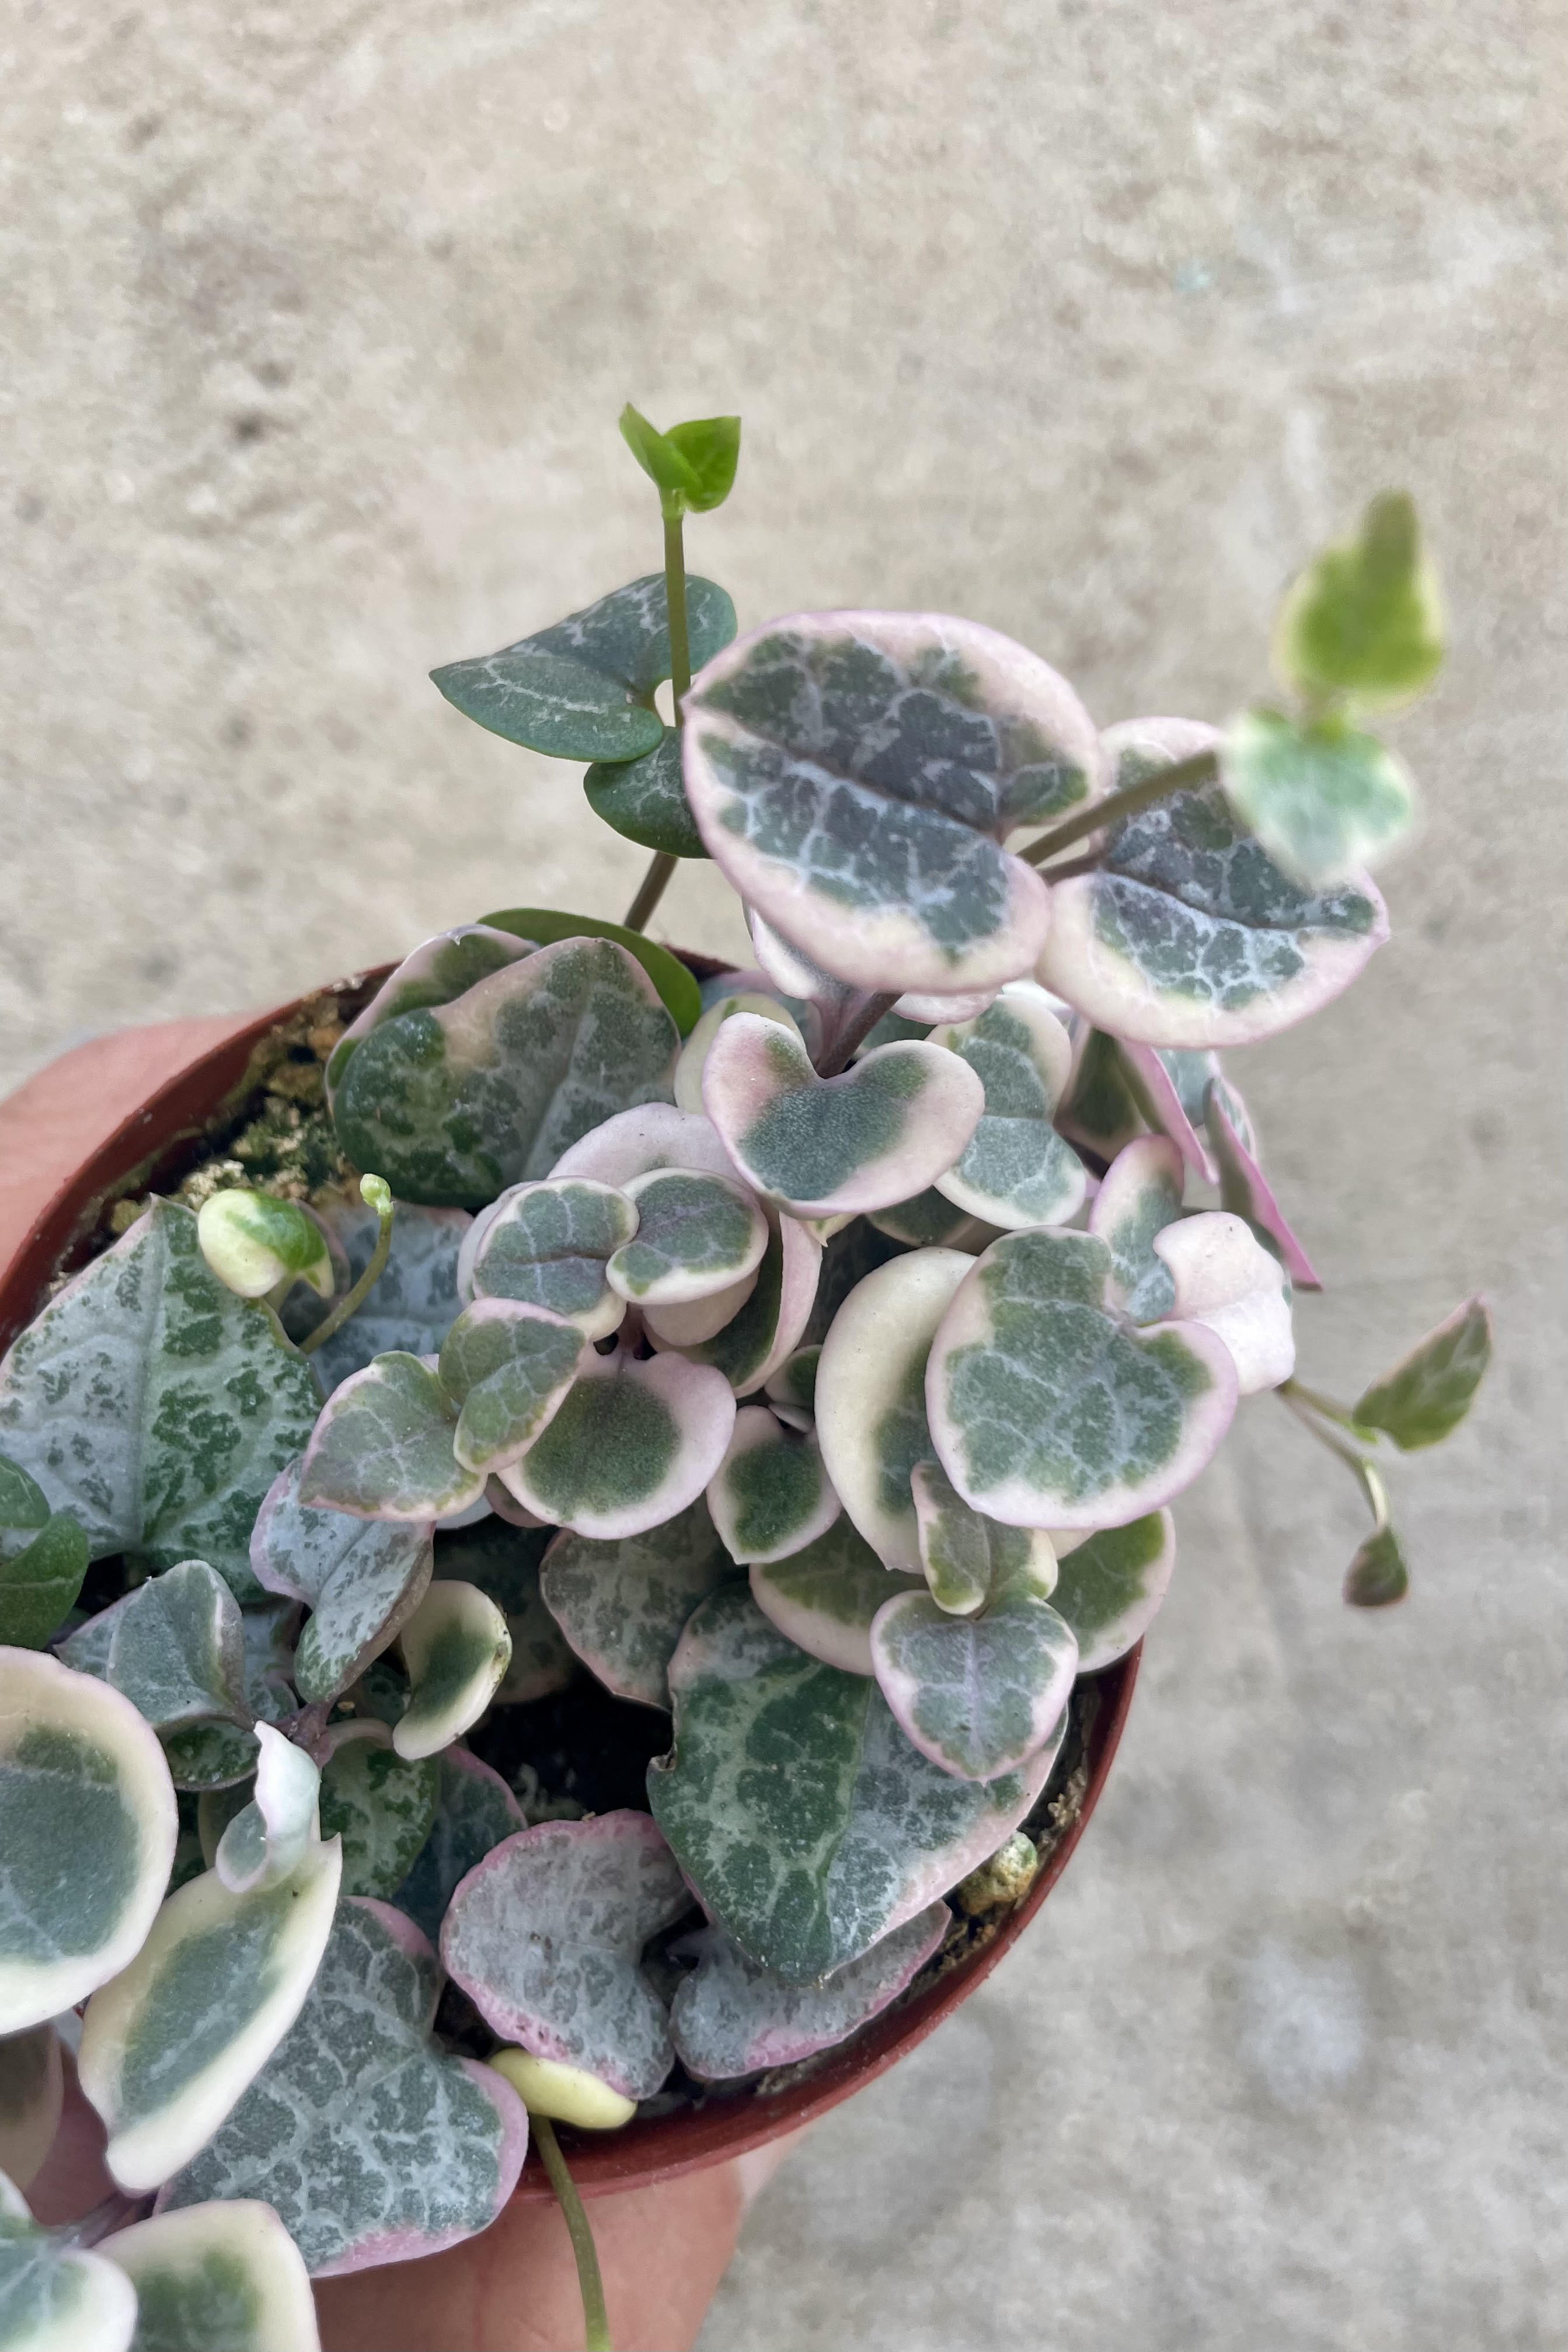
1085, 322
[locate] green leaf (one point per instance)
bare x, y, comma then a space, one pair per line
54, 2298
415, 1300
1015, 1170
475, 1811
795, 1805
362, 1579
1429, 1393
438, 972
889, 1126
967, 1557
381, 1804
695, 1234
1140, 1196
645, 800
81, 1775
1188, 934
225, 2277
1364, 620
730, 2017
1049, 1410
857, 777
623, 1606
507, 1367
979, 1695
153, 1405
1109, 1587
752, 1346
584, 688
456, 1648
383, 1448
253, 1243
39, 1587
634, 1444
171, 2043
545, 1937
23, 1502
691, 465
503, 1561
825, 1596
1323, 799
178, 1650
678, 990
928, 1221
1101, 1108
454, 1104
1377, 1576
370, 2143
546, 1245
770, 1495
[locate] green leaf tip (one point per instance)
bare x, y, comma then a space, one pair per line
1377, 1576
377, 1193
1324, 799
692, 466
1428, 1393
1364, 623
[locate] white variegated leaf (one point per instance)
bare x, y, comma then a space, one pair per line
456, 1649
634, 1442
931, 1221
383, 1446
225, 2277
438, 972
755, 1341
361, 1578
979, 1695
1243, 1188
790, 970
1224, 1277
169, 2045
1102, 1108
1160, 1080
1141, 1194
697, 1235
372, 2144
825, 1596
654, 1135
268, 1839
1110, 1585
54, 2297
792, 1390
884, 1129
770, 1496
870, 1395
1015, 1170
699, 1319
848, 1833
414, 1298
694, 1052
546, 1245
507, 1367
545, 1937
1049, 1409
731, 2018
926, 1010
32, 2094
475, 1811
624, 1605
856, 775
81, 1777
967, 1557
178, 1648
1187, 934
503, 1560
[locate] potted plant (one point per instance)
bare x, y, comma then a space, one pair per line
575, 1531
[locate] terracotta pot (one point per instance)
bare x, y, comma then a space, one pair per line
156, 1145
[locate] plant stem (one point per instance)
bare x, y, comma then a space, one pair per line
655, 880
1182, 776
352, 1301
596, 2319
861, 1016
1326, 1405
1294, 1398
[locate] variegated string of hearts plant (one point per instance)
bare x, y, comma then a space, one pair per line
812, 1355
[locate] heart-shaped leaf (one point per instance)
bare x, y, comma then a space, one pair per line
1049, 1410
1377, 1576
890, 1125
679, 991
623, 1606
546, 1245
632, 1445
730, 2017
1365, 619
583, 690
171, 2044
371, 2144
253, 1243
697, 1235
807, 1824
507, 1368
53, 2297
693, 1059
693, 465
438, 971
645, 800
979, 1695
381, 1804
1243, 1188
798, 975
698, 1320
1110, 1585
178, 1650
412, 1307
475, 1811
214, 1754
39, 1586
383, 1446
656, 1135
1141, 1194
82, 1774
1323, 799
155, 1406
1429, 1393
456, 1648
871, 1399
545, 1937
361, 1578
1224, 1278
856, 775
770, 1495
1187, 933
453, 1104
752, 1346
1170, 1086
267, 1840
967, 1557
225, 2277
32, 2095
504, 1560
1015, 1170
825, 1596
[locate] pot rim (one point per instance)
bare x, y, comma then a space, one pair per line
174, 1120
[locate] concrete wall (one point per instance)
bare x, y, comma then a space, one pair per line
1085, 321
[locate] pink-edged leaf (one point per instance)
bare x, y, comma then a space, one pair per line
1015, 1170
979, 1695
1243, 1188
687, 1326
929, 1010
755, 1341
654, 1135
623, 1606
363, 1578
633, 1443
1141, 1194
475, 1810
438, 972
696, 1234
1110, 1585
825, 1596
546, 1245
694, 1052
1163, 1107
545, 1937
383, 1446
1224, 1277
730, 2017
968, 1557
506, 1367
771, 1494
